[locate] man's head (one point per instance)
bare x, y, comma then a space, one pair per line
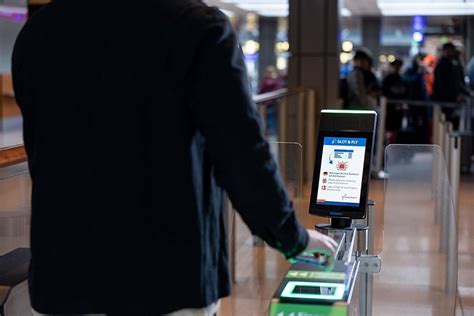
396, 65
271, 72
449, 50
362, 60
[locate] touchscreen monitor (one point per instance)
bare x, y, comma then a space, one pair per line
343, 160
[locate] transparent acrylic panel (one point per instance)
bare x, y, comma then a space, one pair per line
419, 258
15, 211
257, 269
289, 157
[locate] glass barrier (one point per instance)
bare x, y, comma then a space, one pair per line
257, 270
15, 211
419, 258
289, 157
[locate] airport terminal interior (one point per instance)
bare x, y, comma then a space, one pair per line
367, 107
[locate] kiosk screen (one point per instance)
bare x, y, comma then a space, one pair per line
341, 173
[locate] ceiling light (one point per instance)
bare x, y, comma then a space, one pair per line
426, 8
228, 13
346, 12
263, 6
347, 46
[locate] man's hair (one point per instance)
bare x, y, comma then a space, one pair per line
449, 46
361, 54
397, 62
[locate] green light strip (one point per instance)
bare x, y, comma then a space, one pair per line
315, 275
290, 286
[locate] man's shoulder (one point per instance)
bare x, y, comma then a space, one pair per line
189, 11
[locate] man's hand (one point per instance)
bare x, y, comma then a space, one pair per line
320, 241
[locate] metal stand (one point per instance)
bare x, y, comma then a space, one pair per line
370, 263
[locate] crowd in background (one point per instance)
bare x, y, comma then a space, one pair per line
426, 78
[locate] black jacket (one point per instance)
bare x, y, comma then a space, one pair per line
449, 80
137, 115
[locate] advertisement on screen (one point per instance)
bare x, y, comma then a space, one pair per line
342, 166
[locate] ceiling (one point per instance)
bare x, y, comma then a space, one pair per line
358, 7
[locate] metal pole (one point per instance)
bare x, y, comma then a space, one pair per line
382, 112
282, 135
310, 137
455, 169
469, 115
452, 210
439, 165
371, 250
436, 120
446, 190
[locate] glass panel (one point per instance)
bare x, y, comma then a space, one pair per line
419, 259
13, 15
289, 157
15, 211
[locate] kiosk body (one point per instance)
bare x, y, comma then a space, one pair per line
312, 290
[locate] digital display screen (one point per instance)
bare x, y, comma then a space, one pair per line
342, 166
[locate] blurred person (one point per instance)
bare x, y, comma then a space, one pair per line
371, 81
128, 176
360, 82
470, 72
449, 84
271, 81
430, 62
284, 78
394, 88
414, 77
416, 130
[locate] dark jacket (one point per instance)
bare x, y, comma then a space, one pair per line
449, 80
137, 115
415, 81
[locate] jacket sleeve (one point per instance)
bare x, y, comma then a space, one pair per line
227, 117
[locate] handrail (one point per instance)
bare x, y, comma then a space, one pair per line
277, 94
428, 103
12, 156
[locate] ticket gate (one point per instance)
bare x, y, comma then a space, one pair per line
410, 263
311, 290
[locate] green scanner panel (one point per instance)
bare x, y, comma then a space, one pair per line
313, 290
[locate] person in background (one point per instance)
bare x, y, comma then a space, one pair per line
394, 88
358, 82
374, 88
414, 77
430, 62
449, 84
416, 127
271, 81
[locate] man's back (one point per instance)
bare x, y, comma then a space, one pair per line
129, 130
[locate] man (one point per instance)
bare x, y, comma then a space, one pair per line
361, 82
394, 88
136, 115
449, 84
